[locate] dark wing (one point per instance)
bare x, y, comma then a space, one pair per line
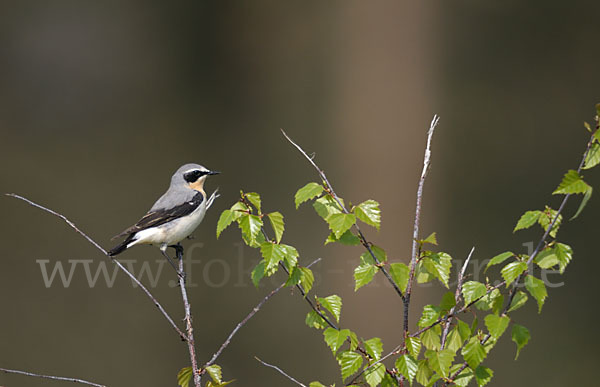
162, 216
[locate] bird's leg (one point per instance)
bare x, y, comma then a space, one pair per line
172, 263
179, 254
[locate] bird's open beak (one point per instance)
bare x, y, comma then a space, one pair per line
213, 173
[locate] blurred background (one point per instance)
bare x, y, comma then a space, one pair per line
102, 101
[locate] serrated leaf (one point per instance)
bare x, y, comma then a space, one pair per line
547, 258
227, 217
294, 277
499, 258
326, 206
496, 325
350, 362
273, 254
483, 375
593, 157
335, 338
316, 384
375, 374
407, 366
340, 223
518, 301
464, 330
413, 344
431, 339
431, 239
422, 274
472, 290
184, 376
527, 220
210, 383
313, 320
353, 341
258, 273
586, 198
254, 198
276, 219
511, 271
214, 371
423, 372
473, 352
369, 212
333, 304
491, 300
308, 192
520, 335
537, 289
546, 219
474, 325
463, 378
290, 256
454, 342
572, 183
363, 274
250, 226
431, 313
379, 253
307, 279
564, 253
439, 265
348, 239
374, 347
440, 361
238, 209
399, 273
448, 301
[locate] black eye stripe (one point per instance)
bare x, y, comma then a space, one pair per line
194, 175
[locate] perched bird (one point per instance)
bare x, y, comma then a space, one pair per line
174, 216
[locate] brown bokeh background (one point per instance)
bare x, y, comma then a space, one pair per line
101, 101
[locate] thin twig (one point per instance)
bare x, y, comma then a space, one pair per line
280, 371
66, 379
133, 278
415, 243
248, 317
361, 236
188, 318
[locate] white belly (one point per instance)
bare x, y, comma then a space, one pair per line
172, 232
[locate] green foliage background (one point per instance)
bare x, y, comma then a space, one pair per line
101, 101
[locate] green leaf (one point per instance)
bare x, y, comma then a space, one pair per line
537, 289
407, 366
238, 209
294, 277
210, 383
439, 265
564, 253
340, 223
527, 220
413, 344
518, 301
333, 304
431, 313
448, 301
399, 273
273, 254
290, 256
308, 192
431, 339
572, 183
424, 372
496, 325
483, 375
464, 330
313, 320
227, 217
520, 335
454, 342
258, 273
307, 279
250, 226
440, 361
350, 362
463, 378
184, 376
474, 325
490, 300
593, 157
353, 341
335, 338
316, 384
214, 371
547, 258
546, 219
586, 198
499, 259
374, 347
431, 239
326, 206
473, 352
472, 290
254, 198
348, 239
277, 224
511, 271
375, 374
369, 212
379, 253
363, 274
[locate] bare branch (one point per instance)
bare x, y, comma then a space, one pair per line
415, 243
280, 371
188, 318
248, 317
66, 379
361, 236
138, 283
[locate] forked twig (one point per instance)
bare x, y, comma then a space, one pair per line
66, 379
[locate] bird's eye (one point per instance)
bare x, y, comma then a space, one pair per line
194, 175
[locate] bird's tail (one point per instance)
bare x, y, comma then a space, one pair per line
118, 249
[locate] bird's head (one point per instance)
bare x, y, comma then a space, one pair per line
193, 175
